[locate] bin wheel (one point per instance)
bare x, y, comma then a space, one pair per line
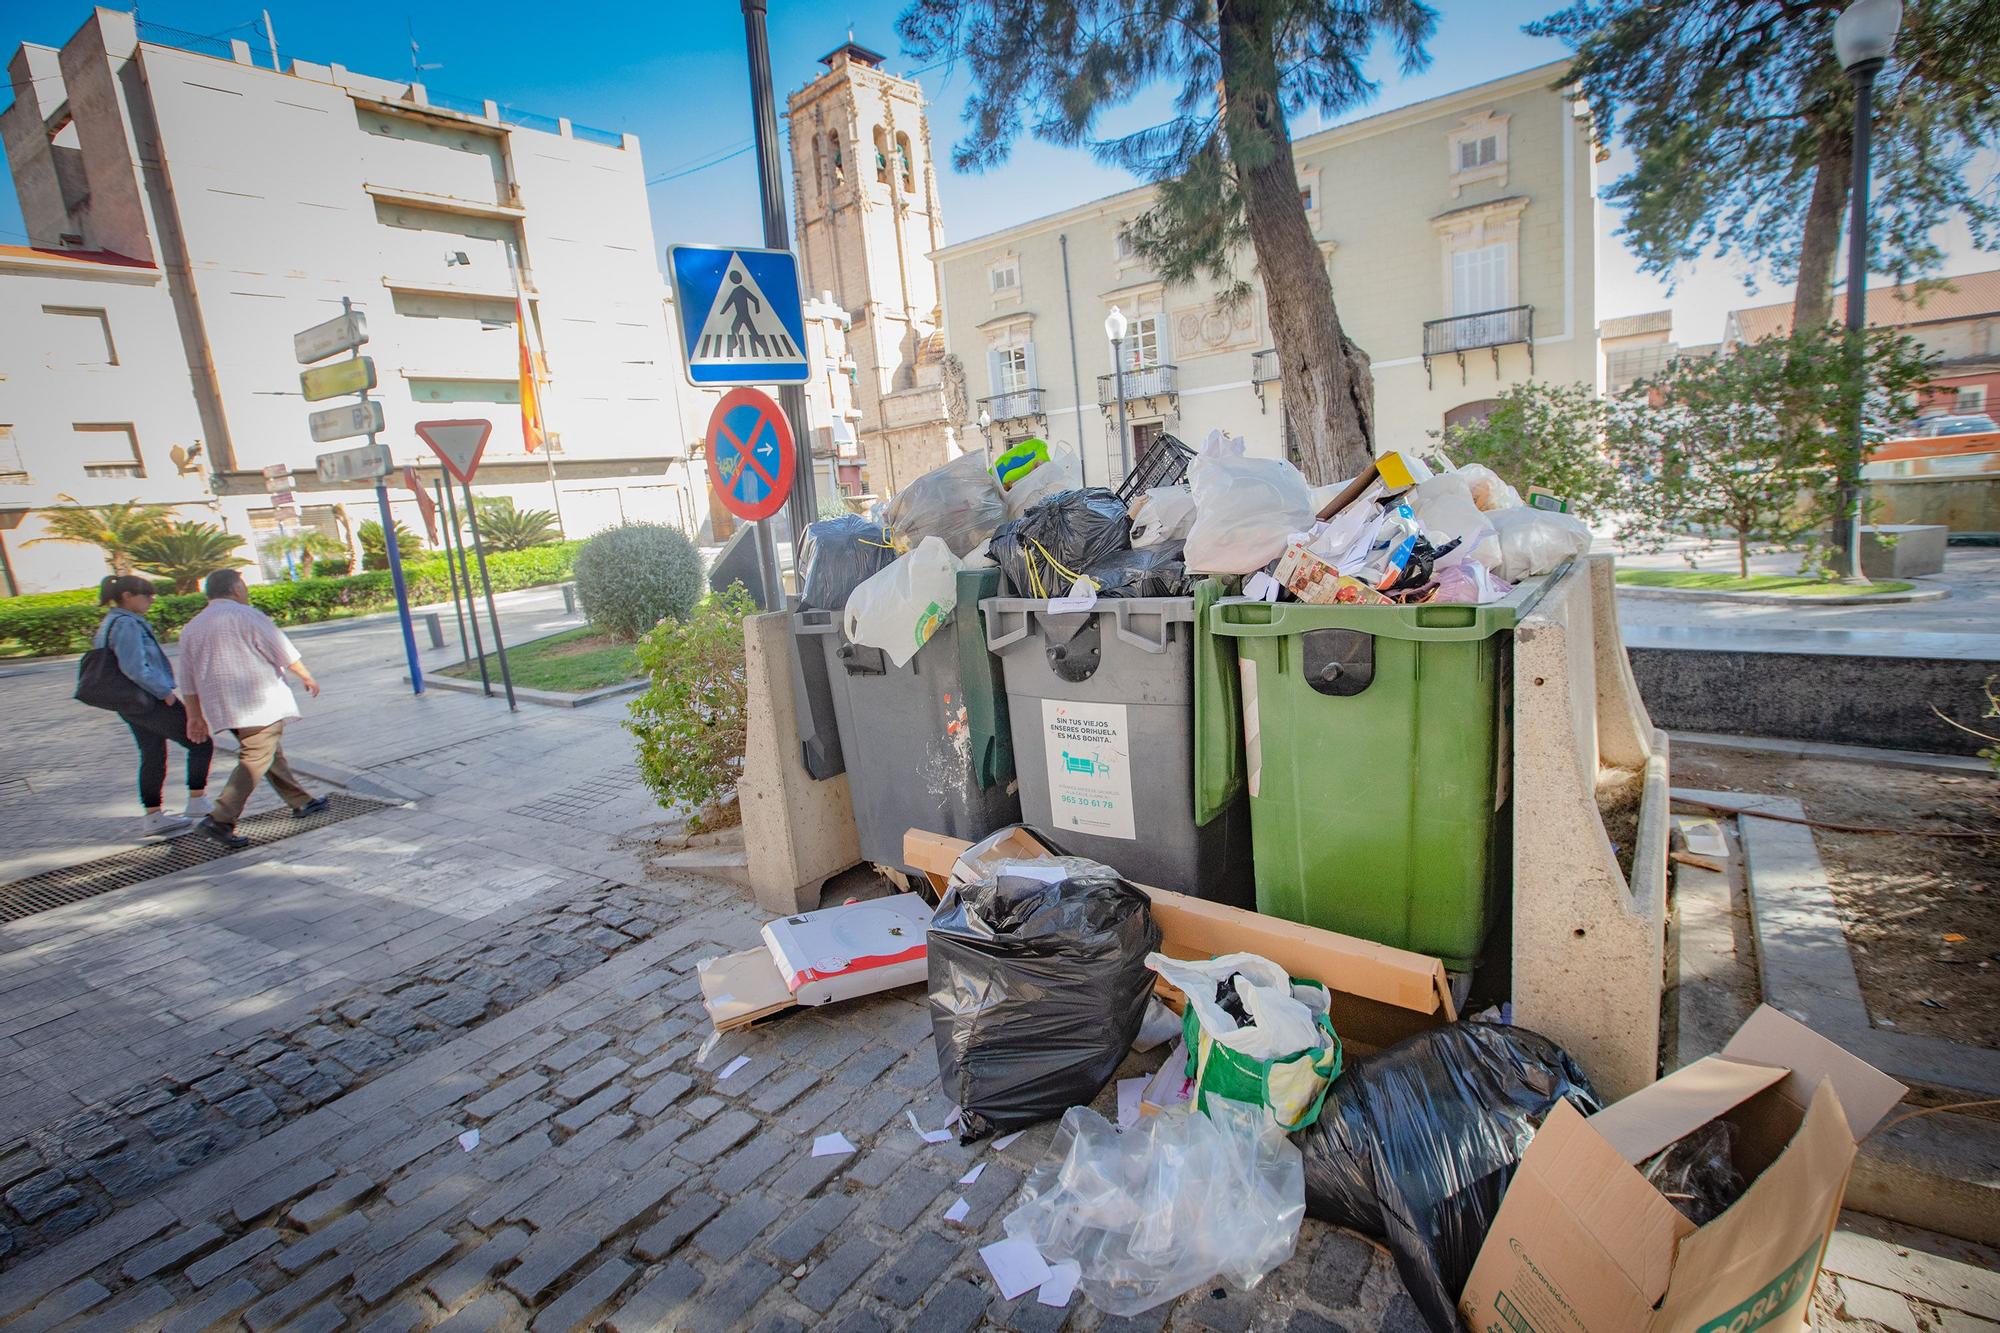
1461, 990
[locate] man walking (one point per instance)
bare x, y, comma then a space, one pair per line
233, 660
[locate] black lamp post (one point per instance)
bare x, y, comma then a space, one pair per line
1863, 36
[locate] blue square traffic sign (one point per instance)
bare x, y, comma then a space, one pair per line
740, 315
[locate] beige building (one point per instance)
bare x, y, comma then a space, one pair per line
1460, 235
867, 222
228, 205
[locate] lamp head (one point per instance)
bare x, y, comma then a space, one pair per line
1115, 325
985, 419
1865, 32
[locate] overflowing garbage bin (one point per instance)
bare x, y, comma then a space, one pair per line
925, 744
1378, 753
1102, 708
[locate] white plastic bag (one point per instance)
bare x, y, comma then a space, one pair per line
1060, 472
1447, 509
1470, 583
1488, 491
1161, 515
1281, 1017
1245, 509
900, 606
959, 502
1175, 1201
1535, 541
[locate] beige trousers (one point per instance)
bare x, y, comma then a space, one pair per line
263, 757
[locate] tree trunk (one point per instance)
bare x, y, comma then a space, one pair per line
1743, 553
1329, 394
1819, 243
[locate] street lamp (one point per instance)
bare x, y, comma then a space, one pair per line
1115, 325
986, 430
1863, 36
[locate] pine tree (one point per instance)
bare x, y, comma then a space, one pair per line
1223, 162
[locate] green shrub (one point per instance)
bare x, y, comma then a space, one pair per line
332, 568
691, 723
63, 622
630, 578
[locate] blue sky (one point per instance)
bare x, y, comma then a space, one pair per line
675, 75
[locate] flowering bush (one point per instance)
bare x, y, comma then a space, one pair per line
630, 578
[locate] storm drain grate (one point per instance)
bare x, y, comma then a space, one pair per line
57, 888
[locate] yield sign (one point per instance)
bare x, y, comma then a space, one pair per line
458, 443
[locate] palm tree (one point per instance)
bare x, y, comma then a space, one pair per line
115, 529
309, 548
505, 528
187, 553
375, 555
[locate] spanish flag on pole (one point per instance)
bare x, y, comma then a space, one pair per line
532, 437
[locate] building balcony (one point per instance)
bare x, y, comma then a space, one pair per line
1491, 329
1139, 384
1017, 406
1264, 366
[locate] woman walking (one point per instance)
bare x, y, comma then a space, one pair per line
129, 636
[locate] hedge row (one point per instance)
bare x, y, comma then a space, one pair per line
49, 623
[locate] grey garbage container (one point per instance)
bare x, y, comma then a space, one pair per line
1101, 704
915, 757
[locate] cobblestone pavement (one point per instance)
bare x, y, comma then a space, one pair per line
618, 1179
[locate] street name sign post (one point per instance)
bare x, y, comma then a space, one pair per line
344, 333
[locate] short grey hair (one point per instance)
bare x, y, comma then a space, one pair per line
221, 584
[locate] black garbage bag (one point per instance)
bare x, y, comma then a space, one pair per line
840, 553
1416, 1146
1697, 1174
1059, 537
1153, 571
1037, 989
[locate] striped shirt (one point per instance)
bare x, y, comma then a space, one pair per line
233, 659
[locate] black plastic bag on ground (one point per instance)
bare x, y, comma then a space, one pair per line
840, 555
1155, 571
1061, 536
1417, 1145
1037, 988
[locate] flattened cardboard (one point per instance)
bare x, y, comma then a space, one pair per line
1380, 995
855, 949
1583, 1244
740, 988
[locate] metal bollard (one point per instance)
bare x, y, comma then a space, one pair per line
436, 628
569, 598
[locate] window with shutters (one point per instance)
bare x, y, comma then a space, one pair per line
1005, 277
13, 472
1477, 151
1012, 374
1970, 398
1142, 342
108, 450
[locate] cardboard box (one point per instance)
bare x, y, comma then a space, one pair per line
1311, 579
1583, 1244
855, 949
1380, 995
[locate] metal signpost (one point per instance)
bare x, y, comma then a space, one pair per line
454, 557
369, 463
742, 323
459, 446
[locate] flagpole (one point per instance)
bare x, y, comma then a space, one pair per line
535, 379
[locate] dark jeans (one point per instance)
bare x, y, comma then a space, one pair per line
152, 730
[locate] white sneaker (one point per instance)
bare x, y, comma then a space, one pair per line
197, 806
160, 824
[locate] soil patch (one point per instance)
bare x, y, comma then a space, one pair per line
1922, 915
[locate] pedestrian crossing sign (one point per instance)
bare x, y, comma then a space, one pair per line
740, 316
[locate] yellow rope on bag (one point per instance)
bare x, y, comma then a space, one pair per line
1039, 587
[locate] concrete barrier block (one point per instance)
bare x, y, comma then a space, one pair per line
1588, 945
797, 832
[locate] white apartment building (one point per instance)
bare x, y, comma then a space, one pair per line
191, 210
1460, 235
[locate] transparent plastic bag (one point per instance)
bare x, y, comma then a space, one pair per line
1697, 1173
1161, 515
1445, 506
959, 502
1059, 472
1535, 541
1245, 509
901, 606
1488, 491
1172, 1203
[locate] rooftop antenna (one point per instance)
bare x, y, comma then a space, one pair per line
417, 63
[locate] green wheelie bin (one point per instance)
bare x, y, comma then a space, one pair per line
1379, 756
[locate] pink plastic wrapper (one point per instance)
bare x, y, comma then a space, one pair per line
1470, 582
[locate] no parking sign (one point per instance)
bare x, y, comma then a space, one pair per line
751, 453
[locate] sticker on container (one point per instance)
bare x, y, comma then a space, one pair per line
1088, 748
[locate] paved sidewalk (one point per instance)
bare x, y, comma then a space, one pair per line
1971, 573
